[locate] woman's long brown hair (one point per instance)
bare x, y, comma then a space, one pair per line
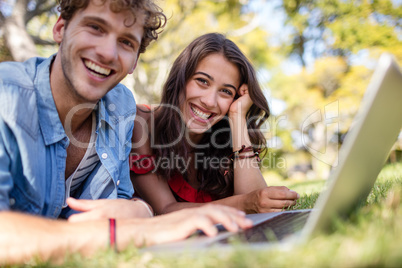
216, 142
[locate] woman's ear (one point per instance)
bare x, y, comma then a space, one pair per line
58, 30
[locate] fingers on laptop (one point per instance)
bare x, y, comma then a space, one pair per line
180, 224
204, 218
183, 223
232, 219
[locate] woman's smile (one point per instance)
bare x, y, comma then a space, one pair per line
201, 114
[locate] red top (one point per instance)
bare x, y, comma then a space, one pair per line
181, 189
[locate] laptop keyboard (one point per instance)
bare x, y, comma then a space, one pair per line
274, 229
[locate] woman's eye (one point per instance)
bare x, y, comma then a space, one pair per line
202, 81
227, 91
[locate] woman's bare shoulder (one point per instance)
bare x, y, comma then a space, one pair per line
142, 128
144, 112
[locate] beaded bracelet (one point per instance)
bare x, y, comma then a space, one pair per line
244, 149
112, 233
255, 154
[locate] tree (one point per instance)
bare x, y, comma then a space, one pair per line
342, 28
14, 21
331, 33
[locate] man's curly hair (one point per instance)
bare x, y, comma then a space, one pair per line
155, 20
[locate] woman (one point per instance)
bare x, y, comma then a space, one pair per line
202, 143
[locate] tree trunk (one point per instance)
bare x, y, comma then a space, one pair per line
18, 41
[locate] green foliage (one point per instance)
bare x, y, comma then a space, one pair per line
333, 32
344, 27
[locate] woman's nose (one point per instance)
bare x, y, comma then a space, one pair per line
209, 99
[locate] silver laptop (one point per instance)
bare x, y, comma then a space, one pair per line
366, 147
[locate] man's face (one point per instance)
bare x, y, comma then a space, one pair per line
98, 48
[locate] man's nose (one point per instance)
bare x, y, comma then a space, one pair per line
107, 49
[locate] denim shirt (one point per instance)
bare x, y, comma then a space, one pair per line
33, 143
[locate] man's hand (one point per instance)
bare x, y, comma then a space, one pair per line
270, 199
107, 208
25, 236
180, 224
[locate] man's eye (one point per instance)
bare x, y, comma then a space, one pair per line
127, 43
95, 27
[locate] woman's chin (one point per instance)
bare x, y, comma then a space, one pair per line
197, 131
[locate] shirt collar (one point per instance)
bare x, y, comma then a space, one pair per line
49, 120
105, 112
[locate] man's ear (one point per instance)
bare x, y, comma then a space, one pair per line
58, 30
135, 65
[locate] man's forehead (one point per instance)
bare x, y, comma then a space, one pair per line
129, 16
117, 8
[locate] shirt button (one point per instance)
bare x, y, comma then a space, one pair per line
118, 182
104, 155
12, 201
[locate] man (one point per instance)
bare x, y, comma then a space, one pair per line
65, 131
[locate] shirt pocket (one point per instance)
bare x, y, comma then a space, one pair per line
24, 198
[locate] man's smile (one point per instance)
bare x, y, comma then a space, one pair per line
97, 70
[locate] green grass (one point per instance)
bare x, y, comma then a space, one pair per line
371, 237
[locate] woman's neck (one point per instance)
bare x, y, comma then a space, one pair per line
194, 138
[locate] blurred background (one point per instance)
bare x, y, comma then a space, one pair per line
314, 60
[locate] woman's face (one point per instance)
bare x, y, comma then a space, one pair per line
209, 93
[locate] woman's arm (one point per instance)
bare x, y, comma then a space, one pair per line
266, 199
250, 188
247, 174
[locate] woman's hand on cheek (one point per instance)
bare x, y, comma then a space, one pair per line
241, 106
